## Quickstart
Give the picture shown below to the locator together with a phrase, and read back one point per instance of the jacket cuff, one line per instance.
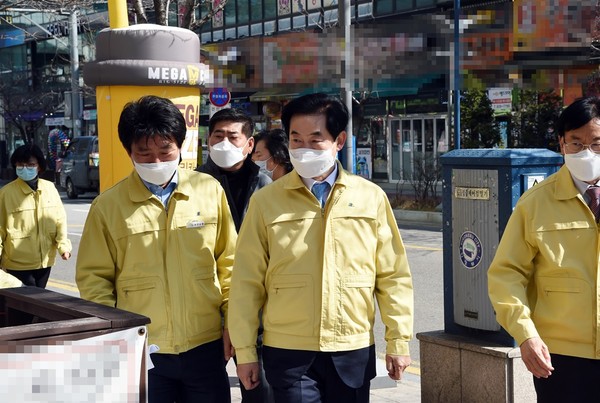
(526, 333)
(246, 355)
(397, 347)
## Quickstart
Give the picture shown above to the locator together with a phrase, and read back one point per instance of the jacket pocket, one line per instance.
(21, 249)
(563, 310)
(290, 306)
(145, 296)
(358, 304)
(203, 301)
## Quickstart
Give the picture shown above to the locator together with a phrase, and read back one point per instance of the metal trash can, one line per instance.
(480, 190)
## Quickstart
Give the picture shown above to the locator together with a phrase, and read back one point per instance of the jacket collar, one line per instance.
(138, 192)
(565, 188)
(25, 188)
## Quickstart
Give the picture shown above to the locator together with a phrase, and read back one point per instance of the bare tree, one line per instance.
(186, 13)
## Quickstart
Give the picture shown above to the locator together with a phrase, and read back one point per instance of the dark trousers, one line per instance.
(198, 375)
(298, 376)
(34, 278)
(574, 379)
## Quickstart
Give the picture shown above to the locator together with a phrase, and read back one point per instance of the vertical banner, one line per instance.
(364, 164)
(217, 20)
(284, 7)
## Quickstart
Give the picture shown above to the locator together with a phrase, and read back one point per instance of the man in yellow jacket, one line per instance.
(544, 279)
(160, 243)
(315, 265)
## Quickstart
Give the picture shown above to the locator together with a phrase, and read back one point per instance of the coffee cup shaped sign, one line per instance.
(219, 97)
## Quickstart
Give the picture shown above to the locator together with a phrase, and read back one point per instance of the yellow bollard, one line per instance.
(117, 13)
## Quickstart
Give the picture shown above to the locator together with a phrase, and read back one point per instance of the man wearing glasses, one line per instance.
(544, 281)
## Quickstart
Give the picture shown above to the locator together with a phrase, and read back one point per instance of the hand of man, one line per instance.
(227, 346)
(536, 357)
(66, 256)
(248, 374)
(396, 364)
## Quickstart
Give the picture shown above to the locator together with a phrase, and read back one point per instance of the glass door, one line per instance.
(396, 131)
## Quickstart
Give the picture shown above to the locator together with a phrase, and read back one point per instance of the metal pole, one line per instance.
(75, 104)
(345, 20)
(457, 82)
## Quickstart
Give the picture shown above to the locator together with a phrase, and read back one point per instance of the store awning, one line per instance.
(272, 95)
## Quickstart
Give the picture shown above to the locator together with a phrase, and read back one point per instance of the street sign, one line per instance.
(219, 97)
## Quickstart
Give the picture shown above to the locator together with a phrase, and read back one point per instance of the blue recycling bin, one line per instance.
(480, 190)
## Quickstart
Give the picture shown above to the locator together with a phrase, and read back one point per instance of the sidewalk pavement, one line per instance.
(383, 389)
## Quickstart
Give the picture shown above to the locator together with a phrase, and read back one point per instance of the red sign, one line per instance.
(219, 97)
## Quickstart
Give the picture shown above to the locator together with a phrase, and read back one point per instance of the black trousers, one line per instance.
(298, 376)
(198, 375)
(574, 379)
(34, 278)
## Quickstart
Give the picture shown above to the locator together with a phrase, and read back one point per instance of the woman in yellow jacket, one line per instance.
(33, 223)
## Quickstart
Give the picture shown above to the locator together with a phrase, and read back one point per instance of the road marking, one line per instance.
(408, 246)
(63, 285)
(415, 370)
(73, 233)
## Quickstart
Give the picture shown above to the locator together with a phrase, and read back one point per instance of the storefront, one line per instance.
(418, 139)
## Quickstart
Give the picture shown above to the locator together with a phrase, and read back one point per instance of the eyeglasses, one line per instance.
(28, 165)
(575, 147)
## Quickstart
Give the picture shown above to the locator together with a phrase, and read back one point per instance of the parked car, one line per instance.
(79, 166)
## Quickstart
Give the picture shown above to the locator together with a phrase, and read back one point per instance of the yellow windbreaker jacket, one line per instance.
(317, 272)
(33, 225)
(173, 265)
(543, 280)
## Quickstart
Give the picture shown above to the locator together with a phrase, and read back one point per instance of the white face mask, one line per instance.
(311, 163)
(157, 173)
(226, 155)
(584, 165)
(263, 167)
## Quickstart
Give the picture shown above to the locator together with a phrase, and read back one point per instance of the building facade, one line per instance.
(400, 56)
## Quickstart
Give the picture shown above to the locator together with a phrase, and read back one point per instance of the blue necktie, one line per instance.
(320, 191)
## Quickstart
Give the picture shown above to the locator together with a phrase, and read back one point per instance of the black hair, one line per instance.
(335, 112)
(232, 115)
(276, 141)
(24, 153)
(149, 117)
(578, 114)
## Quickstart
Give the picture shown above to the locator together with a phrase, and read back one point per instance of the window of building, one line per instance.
(270, 7)
(230, 13)
(256, 10)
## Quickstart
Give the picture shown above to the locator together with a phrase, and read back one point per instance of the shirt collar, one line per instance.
(158, 190)
(309, 182)
(581, 185)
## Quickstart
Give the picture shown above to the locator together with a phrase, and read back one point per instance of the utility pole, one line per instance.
(345, 21)
(456, 74)
(75, 94)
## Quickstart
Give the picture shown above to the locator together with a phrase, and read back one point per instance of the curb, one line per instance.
(433, 217)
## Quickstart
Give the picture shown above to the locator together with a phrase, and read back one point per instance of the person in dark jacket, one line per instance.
(230, 143)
